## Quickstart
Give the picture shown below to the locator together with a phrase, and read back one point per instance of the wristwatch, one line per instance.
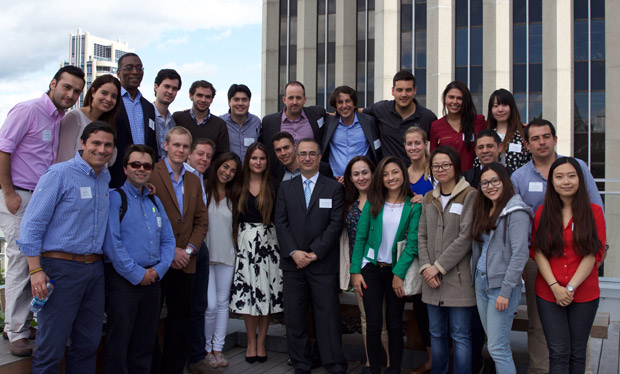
(570, 288)
(189, 251)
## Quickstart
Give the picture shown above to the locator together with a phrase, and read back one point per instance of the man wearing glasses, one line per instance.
(139, 247)
(136, 120)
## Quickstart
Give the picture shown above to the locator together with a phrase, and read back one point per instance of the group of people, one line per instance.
(129, 207)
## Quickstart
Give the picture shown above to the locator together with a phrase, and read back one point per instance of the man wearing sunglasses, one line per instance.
(139, 247)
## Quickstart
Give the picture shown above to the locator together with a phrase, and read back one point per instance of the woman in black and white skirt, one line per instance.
(257, 283)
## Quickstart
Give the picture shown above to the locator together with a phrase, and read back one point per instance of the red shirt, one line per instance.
(565, 266)
(442, 133)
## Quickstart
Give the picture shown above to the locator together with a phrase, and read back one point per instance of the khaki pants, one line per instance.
(17, 289)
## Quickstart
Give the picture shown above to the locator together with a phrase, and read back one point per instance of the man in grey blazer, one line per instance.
(309, 215)
(349, 133)
(295, 118)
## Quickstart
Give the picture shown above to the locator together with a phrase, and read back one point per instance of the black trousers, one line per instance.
(379, 287)
(300, 288)
(567, 330)
(133, 314)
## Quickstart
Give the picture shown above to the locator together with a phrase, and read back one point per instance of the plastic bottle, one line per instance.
(37, 304)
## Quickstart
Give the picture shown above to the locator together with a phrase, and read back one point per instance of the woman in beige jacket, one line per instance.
(444, 243)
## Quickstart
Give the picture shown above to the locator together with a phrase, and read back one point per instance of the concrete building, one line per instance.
(95, 55)
(556, 56)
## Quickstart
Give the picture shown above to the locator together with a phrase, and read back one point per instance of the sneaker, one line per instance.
(222, 361)
(200, 367)
(211, 360)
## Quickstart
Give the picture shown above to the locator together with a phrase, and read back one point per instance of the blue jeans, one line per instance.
(497, 324)
(446, 323)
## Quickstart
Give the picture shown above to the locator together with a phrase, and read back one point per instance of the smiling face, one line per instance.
(443, 169)
(166, 92)
(98, 149)
(294, 100)
(105, 98)
(226, 172)
(361, 176)
(65, 92)
(501, 112)
(404, 93)
(344, 106)
(201, 157)
(138, 177)
(491, 185)
(178, 148)
(487, 150)
(453, 101)
(285, 151)
(541, 142)
(308, 158)
(201, 99)
(239, 104)
(415, 146)
(565, 180)
(258, 161)
(392, 177)
(130, 73)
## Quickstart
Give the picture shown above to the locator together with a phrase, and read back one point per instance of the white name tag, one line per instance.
(47, 135)
(371, 253)
(151, 124)
(85, 193)
(325, 203)
(456, 208)
(248, 142)
(320, 122)
(377, 144)
(535, 187)
(513, 147)
(158, 221)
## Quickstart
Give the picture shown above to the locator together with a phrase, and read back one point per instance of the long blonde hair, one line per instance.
(427, 155)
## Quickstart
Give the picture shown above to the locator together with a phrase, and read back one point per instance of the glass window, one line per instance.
(461, 47)
(535, 42)
(581, 40)
(519, 45)
(535, 107)
(476, 12)
(598, 75)
(598, 39)
(460, 13)
(420, 81)
(519, 78)
(420, 15)
(535, 10)
(518, 11)
(476, 46)
(460, 74)
(535, 78)
(420, 49)
(581, 76)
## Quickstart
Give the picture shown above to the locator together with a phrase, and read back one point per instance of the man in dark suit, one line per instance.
(136, 120)
(309, 214)
(348, 134)
(296, 119)
(180, 193)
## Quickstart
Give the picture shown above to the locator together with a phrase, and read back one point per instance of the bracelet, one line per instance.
(551, 285)
(35, 271)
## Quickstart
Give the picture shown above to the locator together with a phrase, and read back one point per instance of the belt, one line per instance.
(383, 264)
(87, 259)
(21, 189)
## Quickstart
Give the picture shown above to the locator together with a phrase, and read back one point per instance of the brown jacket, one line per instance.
(444, 240)
(192, 227)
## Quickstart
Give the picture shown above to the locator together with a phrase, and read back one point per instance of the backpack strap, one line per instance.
(123, 208)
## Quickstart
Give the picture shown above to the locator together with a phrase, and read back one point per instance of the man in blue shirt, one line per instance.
(139, 248)
(62, 234)
(243, 126)
(530, 181)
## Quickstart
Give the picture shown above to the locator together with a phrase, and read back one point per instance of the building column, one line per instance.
(497, 42)
(439, 51)
(557, 38)
(346, 43)
(269, 56)
(612, 137)
(387, 41)
(306, 46)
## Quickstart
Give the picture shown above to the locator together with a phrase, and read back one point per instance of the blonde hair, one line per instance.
(179, 130)
(427, 155)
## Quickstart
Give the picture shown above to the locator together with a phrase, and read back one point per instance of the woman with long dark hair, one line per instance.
(503, 118)
(220, 206)
(257, 284)
(459, 125)
(101, 103)
(568, 241)
(445, 251)
(377, 273)
(499, 253)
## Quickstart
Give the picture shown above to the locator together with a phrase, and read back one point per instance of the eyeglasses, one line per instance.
(438, 167)
(307, 154)
(136, 165)
(493, 182)
(129, 68)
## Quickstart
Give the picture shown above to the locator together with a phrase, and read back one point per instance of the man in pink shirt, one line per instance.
(28, 145)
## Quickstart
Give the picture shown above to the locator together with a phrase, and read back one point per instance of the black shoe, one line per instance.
(261, 359)
(251, 360)
(289, 362)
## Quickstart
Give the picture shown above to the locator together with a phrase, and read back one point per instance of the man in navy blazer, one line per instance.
(348, 134)
(295, 118)
(136, 120)
(309, 218)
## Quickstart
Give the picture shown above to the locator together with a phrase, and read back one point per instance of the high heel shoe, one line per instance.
(261, 359)
(251, 360)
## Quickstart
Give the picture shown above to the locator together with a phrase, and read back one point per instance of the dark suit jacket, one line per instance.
(192, 227)
(278, 174)
(312, 229)
(272, 122)
(368, 126)
(124, 139)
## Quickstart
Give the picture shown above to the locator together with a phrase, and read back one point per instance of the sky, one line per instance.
(218, 41)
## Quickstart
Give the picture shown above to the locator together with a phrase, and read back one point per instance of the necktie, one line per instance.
(307, 191)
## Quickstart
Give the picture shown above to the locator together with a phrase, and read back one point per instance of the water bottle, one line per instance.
(37, 304)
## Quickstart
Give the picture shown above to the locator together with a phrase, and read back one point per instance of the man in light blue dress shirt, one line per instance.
(243, 126)
(62, 234)
(167, 85)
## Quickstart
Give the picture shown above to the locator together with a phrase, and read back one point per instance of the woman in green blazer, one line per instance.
(377, 273)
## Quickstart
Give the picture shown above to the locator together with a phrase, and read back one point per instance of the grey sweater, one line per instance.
(508, 247)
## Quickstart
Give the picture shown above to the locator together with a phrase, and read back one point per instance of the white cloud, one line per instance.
(220, 36)
(164, 45)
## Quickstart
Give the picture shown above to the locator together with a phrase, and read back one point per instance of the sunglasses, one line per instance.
(136, 165)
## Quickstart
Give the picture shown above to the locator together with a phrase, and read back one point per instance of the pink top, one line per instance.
(299, 128)
(30, 135)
